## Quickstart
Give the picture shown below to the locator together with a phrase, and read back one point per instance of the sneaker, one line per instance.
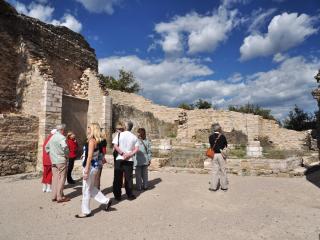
(213, 190)
(44, 187)
(48, 189)
(224, 189)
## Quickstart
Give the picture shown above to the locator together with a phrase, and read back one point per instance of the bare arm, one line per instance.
(126, 156)
(116, 147)
(91, 147)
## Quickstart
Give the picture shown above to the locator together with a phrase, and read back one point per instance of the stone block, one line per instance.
(157, 163)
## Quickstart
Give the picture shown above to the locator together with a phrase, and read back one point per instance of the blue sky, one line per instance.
(229, 52)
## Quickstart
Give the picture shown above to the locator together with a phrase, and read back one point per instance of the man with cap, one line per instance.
(58, 150)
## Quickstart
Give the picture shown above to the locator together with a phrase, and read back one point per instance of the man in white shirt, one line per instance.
(126, 144)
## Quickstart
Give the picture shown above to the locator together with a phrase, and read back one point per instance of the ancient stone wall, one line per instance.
(155, 128)
(100, 104)
(32, 52)
(8, 72)
(192, 123)
(18, 143)
(281, 137)
(38, 64)
(49, 114)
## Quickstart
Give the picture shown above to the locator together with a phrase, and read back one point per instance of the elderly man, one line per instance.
(126, 144)
(58, 150)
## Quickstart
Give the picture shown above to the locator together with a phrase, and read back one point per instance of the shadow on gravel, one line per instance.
(77, 192)
(23, 176)
(313, 175)
(78, 182)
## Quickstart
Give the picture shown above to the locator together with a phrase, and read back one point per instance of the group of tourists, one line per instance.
(129, 151)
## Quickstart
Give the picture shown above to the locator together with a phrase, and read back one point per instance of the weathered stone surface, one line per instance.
(155, 128)
(193, 124)
(32, 52)
(18, 143)
(157, 163)
(39, 63)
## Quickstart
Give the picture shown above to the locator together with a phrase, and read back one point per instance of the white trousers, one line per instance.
(90, 191)
(219, 172)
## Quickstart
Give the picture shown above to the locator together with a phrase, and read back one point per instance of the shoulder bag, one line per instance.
(210, 151)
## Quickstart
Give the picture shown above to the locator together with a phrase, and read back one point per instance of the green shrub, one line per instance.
(239, 151)
(172, 135)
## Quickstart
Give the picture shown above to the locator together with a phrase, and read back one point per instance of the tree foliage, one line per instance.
(253, 109)
(186, 106)
(299, 120)
(202, 104)
(126, 82)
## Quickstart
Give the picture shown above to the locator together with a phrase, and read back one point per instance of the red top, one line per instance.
(45, 156)
(73, 148)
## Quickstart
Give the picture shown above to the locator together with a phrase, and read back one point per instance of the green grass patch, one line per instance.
(239, 151)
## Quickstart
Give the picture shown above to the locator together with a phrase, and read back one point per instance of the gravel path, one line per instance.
(178, 207)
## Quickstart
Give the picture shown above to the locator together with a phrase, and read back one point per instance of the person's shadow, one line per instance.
(313, 175)
(78, 191)
(152, 184)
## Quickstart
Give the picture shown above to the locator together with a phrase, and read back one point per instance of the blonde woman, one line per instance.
(90, 168)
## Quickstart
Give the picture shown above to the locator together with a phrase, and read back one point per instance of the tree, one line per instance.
(202, 104)
(299, 120)
(186, 106)
(254, 109)
(126, 82)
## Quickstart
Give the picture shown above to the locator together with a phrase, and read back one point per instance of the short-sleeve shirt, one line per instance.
(127, 142)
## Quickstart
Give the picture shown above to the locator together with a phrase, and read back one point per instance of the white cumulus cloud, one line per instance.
(284, 32)
(36, 10)
(44, 12)
(68, 21)
(186, 80)
(100, 6)
(259, 18)
(201, 33)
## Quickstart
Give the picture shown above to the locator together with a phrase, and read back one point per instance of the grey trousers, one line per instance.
(141, 177)
(219, 172)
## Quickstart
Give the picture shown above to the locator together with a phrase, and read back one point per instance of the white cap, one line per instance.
(53, 131)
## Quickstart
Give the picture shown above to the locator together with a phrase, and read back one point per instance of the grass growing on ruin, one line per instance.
(275, 153)
(172, 135)
(239, 151)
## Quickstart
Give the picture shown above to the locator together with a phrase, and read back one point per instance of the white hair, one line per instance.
(53, 131)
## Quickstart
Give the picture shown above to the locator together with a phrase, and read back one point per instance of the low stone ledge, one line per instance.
(263, 167)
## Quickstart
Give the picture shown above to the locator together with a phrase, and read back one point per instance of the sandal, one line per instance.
(83, 216)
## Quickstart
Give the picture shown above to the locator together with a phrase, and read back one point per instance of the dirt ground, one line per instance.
(179, 206)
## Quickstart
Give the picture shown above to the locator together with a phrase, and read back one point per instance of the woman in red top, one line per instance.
(47, 165)
(73, 149)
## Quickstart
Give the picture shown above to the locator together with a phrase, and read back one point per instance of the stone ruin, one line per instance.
(49, 75)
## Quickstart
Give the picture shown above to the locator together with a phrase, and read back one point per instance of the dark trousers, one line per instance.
(70, 168)
(122, 167)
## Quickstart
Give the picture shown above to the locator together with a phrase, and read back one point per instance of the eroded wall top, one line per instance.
(29, 46)
(55, 41)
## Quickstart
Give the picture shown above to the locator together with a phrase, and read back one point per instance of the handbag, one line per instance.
(210, 151)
